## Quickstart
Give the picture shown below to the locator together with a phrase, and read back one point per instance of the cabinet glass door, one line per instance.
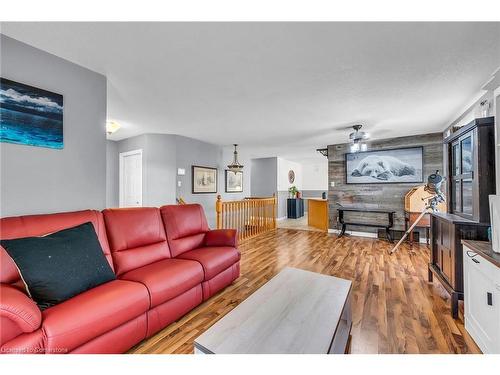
(466, 155)
(467, 197)
(462, 174)
(456, 194)
(455, 159)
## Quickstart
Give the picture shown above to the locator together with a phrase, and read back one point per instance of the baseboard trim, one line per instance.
(365, 234)
(354, 233)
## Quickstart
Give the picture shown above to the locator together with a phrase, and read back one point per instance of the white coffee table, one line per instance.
(297, 311)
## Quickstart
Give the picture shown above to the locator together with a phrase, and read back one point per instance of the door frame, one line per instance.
(122, 155)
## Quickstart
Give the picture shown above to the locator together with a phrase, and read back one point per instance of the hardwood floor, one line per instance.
(300, 223)
(395, 309)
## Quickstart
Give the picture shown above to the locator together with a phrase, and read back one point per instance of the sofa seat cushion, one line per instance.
(167, 278)
(92, 313)
(213, 259)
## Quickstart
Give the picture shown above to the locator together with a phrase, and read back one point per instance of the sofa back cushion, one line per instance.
(136, 237)
(40, 225)
(185, 226)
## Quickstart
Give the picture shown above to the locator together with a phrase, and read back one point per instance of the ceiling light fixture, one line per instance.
(235, 166)
(112, 127)
(357, 139)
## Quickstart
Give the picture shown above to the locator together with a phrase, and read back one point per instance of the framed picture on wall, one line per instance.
(30, 116)
(234, 182)
(204, 180)
(399, 165)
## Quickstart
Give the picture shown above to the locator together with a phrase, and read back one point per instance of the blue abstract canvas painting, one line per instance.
(30, 116)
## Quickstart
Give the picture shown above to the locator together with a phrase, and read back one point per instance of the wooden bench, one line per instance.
(387, 226)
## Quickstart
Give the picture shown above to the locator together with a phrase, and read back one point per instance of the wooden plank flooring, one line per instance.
(395, 309)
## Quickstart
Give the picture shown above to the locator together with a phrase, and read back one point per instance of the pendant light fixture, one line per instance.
(235, 166)
(357, 139)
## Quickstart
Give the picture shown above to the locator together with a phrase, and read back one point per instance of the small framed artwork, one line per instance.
(30, 115)
(234, 182)
(204, 180)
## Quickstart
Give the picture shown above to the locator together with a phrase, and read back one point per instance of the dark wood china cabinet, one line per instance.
(469, 168)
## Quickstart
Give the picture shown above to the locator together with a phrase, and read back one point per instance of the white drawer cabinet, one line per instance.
(482, 300)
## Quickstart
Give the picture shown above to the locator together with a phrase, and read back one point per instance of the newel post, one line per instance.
(218, 209)
(275, 203)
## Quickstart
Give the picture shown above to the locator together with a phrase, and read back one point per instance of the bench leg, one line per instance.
(391, 223)
(342, 231)
(388, 234)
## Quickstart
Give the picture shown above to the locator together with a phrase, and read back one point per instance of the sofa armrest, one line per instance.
(19, 309)
(222, 237)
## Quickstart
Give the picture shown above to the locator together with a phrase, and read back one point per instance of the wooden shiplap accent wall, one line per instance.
(386, 196)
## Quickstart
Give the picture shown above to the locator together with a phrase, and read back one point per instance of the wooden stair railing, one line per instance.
(250, 216)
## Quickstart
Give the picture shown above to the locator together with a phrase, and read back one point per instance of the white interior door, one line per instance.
(131, 178)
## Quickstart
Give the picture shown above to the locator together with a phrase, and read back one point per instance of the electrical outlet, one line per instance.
(332, 183)
(179, 183)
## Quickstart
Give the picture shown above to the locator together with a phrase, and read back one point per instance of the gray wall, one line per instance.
(162, 155)
(193, 152)
(42, 180)
(264, 177)
(265, 182)
(386, 196)
(112, 174)
(282, 204)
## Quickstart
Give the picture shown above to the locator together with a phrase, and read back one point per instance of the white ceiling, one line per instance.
(278, 89)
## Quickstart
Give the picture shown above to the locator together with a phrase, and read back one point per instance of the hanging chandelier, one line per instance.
(357, 139)
(235, 166)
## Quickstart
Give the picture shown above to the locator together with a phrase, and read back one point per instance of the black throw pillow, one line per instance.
(60, 265)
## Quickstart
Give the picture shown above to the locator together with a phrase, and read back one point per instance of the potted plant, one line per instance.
(292, 190)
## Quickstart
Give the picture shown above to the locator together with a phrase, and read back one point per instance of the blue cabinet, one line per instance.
(295, 208)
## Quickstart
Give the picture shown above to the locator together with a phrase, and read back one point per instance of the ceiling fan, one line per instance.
(357, 139)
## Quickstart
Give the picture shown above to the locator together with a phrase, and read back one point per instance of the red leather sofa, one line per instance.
(167, 261)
